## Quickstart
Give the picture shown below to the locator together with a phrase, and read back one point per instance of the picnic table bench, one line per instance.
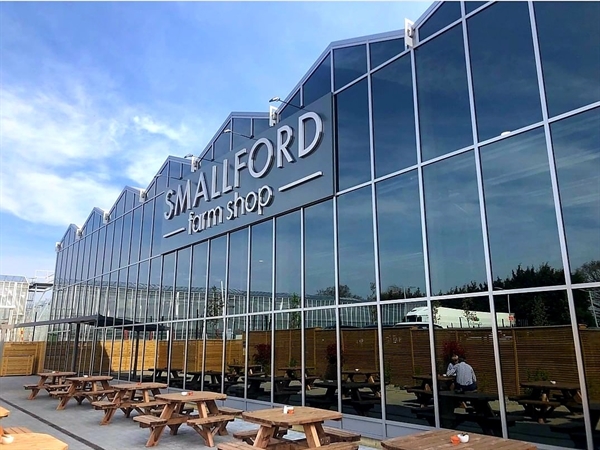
(50, 382)
(545, 396)
(441, 439)
(92, 388)
(131, 397)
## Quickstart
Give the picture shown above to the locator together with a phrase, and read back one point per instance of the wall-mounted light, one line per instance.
(58, 246)
(79, 233)
(230, 131)
(195, 162)
(278, 99)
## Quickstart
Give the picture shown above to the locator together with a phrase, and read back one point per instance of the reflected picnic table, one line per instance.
(239, 369)
(352, 393)
(479, 411)
(367, 374)
(311, 419)
(540, 402)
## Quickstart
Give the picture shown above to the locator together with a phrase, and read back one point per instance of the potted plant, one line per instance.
(263, 356)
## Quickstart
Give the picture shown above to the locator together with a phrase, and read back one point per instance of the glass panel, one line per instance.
(146, 230)
(349, 63)
(157, 225)
(108, 248)
(194, 355)
(260, 125)
(141, 306)
(447, 13)
(353, 142)
(261, 267)
(222, 144)
(393, 117)
(382, 51)
(132, 282)
(153, 290)
(136, 228)
(182, 282)
(258, 373)
(319, 83)
(116, 248)
(216, 277)
(288, 269)
(355, 246)
(119, 206)
(126, 239)
(242, 126)
(521, 219)
(445, 117)
(505, 85)
(454, 226)
(287, 111)
(587, 308)
(198, 291)
(320, 353)
(238, 272)
(235, 351)
(287, 382)
(168, 277)
(319, 270)
(576, 143)
(407, 365)
(465, 354)
(401, 265)
(540, 332)
(359, 352)
(569, 85)
(472, 6)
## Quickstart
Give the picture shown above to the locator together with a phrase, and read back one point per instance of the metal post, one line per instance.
(33, 329)
(137, 349)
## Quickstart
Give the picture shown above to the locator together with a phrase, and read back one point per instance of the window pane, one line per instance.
(287, 384)
(136, 228)
(168, 279)
(445, 117)
(382, 51)
(541, 330)
(393, 117)
(261, 267)
(182, 282)
(454, 235)
(505, 84)
(447, 13)
(222, 144)
(352, 124)
(287, 111)
(348, 64)
(569, 85)
(355, 246)
(260, 125)
(319, 83)
(238, 272)
(472, 6)
(401, 266)
(242, 126)
(157, 233)
(576, 143)
(259, 356)
(216, 276)
(198, 294)
(319, 257)
(288, 252)
(146, 230)
(521, 218)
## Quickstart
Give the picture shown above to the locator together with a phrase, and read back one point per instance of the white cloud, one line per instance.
(151, 126)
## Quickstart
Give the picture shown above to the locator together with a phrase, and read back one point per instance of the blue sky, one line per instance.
(95, 96)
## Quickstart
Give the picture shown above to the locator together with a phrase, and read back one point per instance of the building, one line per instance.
(460, 170)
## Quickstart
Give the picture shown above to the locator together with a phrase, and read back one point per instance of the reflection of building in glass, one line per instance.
(460, 173)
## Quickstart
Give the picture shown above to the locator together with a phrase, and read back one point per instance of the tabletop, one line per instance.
(4, 412)
(294, 368)
(90, 378)
(440, 439)
(56, 374)
(549, 385)
(479, 396)
(36, 441)
(302, 415)
(359, 372)
(136, 386)
(430, 377)
(195, 396)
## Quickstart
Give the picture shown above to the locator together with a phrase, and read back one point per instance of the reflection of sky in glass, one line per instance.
(453, 223)
(444, 112)
(238, 260)
(319, 83)
(318, 242)
(447, 13)
(393, 117)
(261, 268)
(349, 63)
(571, 66)
(287, 251)
(354, 159)
(503, 68)
(400, 239)
(216, 267)
(519, 204)
(166, 291)
(576, 143)
(380, 52)
(355, 242)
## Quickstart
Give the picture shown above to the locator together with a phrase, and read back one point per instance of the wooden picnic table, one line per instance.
(271, 420)
(478, 411)
(291, 371)
(3, 413)
(540, 402)
(36, 441)
(92, 388)
(239, 369)
(140, 397)
(352, 393)
(49, 381)
(440, 439)
(208, 422)
(367, 374)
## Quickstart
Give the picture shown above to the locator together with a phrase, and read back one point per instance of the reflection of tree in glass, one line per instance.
(470, 315)
(538, 313)
(344, 292)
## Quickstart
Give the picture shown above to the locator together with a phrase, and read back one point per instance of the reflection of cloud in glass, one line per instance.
(288, 250)
(576, 142)
(520, 208)
(348, 64)
(318, 242)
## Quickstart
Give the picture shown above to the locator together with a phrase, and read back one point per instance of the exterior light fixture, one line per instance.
(195, 161)
(278, 99)
(505, 133)
(230, 131)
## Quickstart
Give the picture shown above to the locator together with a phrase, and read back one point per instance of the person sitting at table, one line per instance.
(466, 380)
(453, 363)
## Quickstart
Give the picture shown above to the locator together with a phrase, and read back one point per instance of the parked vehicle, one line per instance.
(456, 318)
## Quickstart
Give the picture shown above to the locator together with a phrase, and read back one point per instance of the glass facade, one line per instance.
(462, 219)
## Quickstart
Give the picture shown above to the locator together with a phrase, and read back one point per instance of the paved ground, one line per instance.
(78, 425)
